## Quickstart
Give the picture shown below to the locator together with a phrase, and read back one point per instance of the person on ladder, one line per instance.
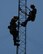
(13, 30)
(31, 15)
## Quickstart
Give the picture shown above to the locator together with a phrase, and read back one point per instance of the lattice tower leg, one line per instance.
(22, 30)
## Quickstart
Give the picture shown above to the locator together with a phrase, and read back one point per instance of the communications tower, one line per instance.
(19, 31)
(22, 30)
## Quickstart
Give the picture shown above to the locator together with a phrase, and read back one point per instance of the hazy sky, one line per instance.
(8, 9)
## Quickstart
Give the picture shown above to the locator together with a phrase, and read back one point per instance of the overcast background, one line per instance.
(8, 9)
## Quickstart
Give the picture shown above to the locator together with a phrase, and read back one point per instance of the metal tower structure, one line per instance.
(19, 35)
(22, 30)
(18, 31)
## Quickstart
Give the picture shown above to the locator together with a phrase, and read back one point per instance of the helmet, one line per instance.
(15, 18)
(32, 6)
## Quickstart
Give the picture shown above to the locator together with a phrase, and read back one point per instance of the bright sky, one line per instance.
(8, 8)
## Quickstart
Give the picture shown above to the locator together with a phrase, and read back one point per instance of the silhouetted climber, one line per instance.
(13, 30)
(31, 15)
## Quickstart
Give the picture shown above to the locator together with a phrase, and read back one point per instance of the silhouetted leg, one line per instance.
(15, 42)
(15, 38)
(25, 22)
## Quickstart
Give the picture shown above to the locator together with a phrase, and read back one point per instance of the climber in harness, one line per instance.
(31, 15)
(13, 30)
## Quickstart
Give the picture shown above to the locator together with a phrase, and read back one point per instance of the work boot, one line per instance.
(23, 24)
(16, 44)
(17, 40)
